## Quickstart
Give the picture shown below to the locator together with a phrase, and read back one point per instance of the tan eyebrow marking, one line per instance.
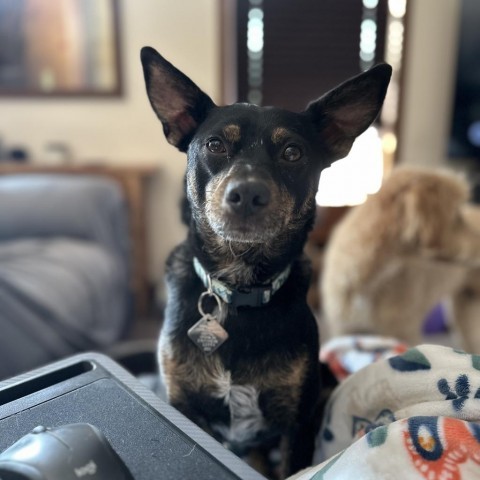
(279, 135)
(232, 133)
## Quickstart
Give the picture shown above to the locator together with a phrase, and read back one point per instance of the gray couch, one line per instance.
(64, 268)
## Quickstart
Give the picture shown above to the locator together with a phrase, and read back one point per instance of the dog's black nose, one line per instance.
(247, 197)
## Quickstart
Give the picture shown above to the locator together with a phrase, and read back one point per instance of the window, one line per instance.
(291, 51)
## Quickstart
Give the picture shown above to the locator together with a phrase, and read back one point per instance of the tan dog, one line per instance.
(392, 259)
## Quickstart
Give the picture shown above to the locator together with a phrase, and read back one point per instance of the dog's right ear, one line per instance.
(179, 104)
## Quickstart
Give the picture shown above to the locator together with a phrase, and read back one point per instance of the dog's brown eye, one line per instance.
(215, 145)
(292, 153)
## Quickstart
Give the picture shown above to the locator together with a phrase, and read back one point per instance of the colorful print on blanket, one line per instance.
(349, 353)
(443, 448)
(424, 448)
(413, 416)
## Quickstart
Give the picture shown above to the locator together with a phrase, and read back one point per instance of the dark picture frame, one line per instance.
(64, 48)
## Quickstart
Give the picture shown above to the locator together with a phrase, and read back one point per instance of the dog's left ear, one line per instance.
(349, 109)
(179, 104)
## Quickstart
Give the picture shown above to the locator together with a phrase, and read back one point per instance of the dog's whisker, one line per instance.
(240, 254)
(231, 249)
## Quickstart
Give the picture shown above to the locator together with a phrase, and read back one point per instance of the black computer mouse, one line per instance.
(69, 452)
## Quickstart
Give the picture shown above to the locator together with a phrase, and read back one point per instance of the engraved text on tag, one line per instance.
(207, 334)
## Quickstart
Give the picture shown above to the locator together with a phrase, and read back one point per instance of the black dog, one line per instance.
(239, 346)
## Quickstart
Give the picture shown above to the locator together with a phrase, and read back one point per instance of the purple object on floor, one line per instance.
(435, 321)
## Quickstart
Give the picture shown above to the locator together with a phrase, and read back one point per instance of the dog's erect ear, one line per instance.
(348, 110)
(179, 104)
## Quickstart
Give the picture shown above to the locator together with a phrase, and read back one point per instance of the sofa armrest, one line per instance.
(83, 207)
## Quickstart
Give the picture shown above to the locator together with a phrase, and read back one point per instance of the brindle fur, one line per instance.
(263, 382)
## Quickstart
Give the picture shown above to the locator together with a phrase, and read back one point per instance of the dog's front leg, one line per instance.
(182, 401)
(297, 449)
(298, 444)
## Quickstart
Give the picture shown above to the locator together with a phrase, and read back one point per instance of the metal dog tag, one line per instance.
(207, 334)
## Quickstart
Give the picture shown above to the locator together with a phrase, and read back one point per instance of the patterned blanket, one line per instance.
(410, 416)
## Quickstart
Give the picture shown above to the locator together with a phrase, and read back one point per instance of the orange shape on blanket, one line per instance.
(459, 446)
(427, 442)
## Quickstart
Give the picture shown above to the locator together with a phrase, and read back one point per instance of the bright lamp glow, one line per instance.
(350, 180)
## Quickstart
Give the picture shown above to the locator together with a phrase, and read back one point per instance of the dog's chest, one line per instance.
(238, 403)
(237, 418)
(246, 420)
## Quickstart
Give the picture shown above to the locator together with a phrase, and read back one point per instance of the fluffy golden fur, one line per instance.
(390, 260)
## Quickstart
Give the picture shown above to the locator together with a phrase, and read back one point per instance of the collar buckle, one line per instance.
(251, 297)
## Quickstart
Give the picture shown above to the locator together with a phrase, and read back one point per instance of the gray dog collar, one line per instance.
(255, 296)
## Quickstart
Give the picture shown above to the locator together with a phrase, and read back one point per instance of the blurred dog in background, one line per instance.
(392, 259)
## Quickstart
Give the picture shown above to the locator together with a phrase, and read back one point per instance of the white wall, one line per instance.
(126, 130)
(430, 69)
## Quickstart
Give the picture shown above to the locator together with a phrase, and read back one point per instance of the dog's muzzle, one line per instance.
(244, 205)
(246, 197)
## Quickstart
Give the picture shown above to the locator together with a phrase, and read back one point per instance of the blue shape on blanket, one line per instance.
(411, 361)
(459, 395)
(475, 429)
(421, 428)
